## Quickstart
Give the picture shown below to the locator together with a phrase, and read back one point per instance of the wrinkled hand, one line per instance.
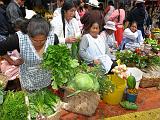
(18, 62)
(96, 61)
(71, 40)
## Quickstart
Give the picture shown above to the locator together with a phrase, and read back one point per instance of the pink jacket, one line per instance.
(114, 17)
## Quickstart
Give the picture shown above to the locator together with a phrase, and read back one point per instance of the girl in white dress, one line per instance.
(93, 49)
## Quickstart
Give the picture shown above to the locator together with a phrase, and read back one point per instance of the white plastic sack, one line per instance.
(137, 73)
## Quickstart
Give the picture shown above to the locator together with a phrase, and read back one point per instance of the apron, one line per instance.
(32, 76)
(69, 32)
(97, 50)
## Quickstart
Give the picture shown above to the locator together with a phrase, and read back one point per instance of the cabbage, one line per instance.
(85, 82)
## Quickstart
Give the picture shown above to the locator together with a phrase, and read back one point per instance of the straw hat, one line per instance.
(110, 25)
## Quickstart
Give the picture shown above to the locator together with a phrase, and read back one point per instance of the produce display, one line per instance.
(138, 58)
(156, 30)
(120, 70)
(42, 103)
(129, 105)
(80, 78)
(66, 71)
(14, 106)
(57, 59)
(156, 48)
(151, 41)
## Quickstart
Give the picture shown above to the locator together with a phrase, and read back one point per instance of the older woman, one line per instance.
(65, 25)
(31, 45)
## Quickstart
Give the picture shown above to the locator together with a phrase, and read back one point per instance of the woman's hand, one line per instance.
(96, 61)
(15, 62)
(70, 40)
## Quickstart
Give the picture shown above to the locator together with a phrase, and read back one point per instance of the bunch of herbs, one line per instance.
(58, 60)
(14, 107)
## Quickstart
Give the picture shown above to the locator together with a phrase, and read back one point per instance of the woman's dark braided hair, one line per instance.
(68, 4)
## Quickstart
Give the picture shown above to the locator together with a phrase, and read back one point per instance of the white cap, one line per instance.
(110, 25)
(140, 1)
(93, 3)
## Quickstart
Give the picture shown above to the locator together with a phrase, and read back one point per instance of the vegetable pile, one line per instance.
(151, 41)
(42, 103)
(138, 59)
(120, 70)
(14, 107)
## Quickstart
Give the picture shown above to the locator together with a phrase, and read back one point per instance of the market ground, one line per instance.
(148, 99)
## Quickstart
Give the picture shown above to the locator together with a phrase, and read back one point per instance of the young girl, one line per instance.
(93, 49)
(132, 37)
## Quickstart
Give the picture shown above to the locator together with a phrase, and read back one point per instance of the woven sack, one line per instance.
(151, 77)
(84, 102)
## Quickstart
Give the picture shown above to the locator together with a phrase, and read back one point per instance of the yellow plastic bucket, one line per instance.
(115, 97)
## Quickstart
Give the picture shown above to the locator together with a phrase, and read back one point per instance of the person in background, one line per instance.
(65, 25)
(81, 10)
(148, 23)
(15, 10)
(138, 14)
(11, 71)
(93, 49)
(118, 17)
(58, 9)
(94, 13)
(132, 37)
(108, 36)
(32, 46)
(76, 4)
(101, 7)
(4, 24)
(108, 10)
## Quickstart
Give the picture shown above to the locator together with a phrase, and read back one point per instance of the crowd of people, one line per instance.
(102, 33)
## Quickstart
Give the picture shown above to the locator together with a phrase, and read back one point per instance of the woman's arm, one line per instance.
(84, 44)
(57, 27)
(140, 38)
(16, 62)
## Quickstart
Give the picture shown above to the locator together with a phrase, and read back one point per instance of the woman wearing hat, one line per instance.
(108, 35)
